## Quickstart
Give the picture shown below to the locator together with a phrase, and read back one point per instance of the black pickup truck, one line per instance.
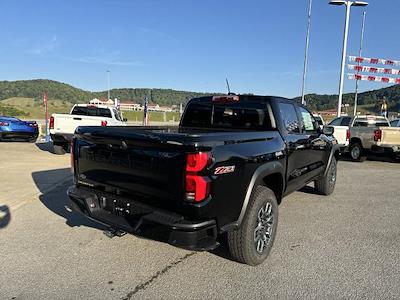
(225, 169)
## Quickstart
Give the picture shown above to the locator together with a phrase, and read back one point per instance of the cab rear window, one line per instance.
(91, 111)
(228, 115)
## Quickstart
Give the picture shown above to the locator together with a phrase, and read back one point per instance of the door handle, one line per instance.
(78, 119)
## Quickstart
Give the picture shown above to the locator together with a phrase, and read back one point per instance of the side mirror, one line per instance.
(328, 130)
(125, 119)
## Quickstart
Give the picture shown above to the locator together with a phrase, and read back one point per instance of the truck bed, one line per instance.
(148, 163)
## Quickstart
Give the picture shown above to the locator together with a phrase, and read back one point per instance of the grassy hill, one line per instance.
(56, 90)
(24, 98)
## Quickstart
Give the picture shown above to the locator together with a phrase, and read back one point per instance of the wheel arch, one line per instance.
(271, 175)
(355, 140)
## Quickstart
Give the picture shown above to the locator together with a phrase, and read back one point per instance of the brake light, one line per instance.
(72, 156)
(226, 99)
(347, 134)
(51, 123)
(3, 124)
(197, 187)
(377, 135)
(197, 161)
(103, 123)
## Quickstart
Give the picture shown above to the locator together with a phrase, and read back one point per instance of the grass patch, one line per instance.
(137, 116)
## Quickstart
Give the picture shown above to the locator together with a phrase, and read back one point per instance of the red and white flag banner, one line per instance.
(369, 69)
(373, 78)
(374, 61)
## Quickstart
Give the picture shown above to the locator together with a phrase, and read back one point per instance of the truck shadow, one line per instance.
(5, 216)
(370, 157)
(45, 146)
(56, 200)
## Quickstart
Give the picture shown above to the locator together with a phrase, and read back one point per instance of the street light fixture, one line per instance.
(344, 50)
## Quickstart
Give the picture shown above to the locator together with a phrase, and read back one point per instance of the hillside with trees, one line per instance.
(63, 92)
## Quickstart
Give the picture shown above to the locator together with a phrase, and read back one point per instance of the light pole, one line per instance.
(359, 55)
(108, 83)
(303, 101)
(344, 50)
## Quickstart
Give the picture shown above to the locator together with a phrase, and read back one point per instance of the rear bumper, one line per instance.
(129, 215)
(386, 149)
(18, 135)
(61, 138)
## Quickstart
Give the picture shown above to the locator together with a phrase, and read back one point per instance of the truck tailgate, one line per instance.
(64, 123)
(137, 165)
(390, 135)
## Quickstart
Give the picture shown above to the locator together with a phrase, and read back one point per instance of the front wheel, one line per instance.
(253, 240)
(326, 185)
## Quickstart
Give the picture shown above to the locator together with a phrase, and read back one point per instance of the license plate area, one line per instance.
(122, 206)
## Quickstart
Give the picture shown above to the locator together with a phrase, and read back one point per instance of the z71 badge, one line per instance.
(224, 170)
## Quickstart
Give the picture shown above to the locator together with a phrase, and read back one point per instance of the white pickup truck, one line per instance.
(356, 134)
(387, 141)
(62, 126)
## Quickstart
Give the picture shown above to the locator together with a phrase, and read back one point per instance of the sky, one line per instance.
(189, 44)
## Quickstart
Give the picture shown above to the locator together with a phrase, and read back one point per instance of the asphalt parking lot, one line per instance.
(338, 247)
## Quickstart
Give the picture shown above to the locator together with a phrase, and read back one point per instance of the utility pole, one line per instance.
(359, 55)
(108, 84)
(303, 101)
(348, 5)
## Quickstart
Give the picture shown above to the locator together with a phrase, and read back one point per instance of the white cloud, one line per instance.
(45, 47)
(112, 58)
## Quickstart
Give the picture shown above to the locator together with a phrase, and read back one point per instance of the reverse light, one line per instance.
(51, 123)
(226, 99)
(197, 187)
(103, 123)
(3, 124)
(377, 135)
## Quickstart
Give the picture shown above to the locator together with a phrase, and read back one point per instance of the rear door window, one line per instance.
(289, 117)
(336, 122)
(345, 121)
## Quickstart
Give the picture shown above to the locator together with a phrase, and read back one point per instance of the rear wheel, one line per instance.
(326, 185)
(253, 240)
(59, 149)
(357, 153)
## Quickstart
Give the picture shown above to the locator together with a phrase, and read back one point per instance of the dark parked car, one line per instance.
(15, 129)
(225, 169)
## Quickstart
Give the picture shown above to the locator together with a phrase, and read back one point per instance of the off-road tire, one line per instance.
(326, 185)
(241, 241)
(355, 155)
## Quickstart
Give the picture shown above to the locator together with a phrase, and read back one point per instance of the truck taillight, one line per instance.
(72, 156)
(103, 123)
(197, 161)
(51, 123)
(377, 135)
(197, 187)
(347, 134)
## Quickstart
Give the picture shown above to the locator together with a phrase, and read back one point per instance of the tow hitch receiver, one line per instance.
(114, 232)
